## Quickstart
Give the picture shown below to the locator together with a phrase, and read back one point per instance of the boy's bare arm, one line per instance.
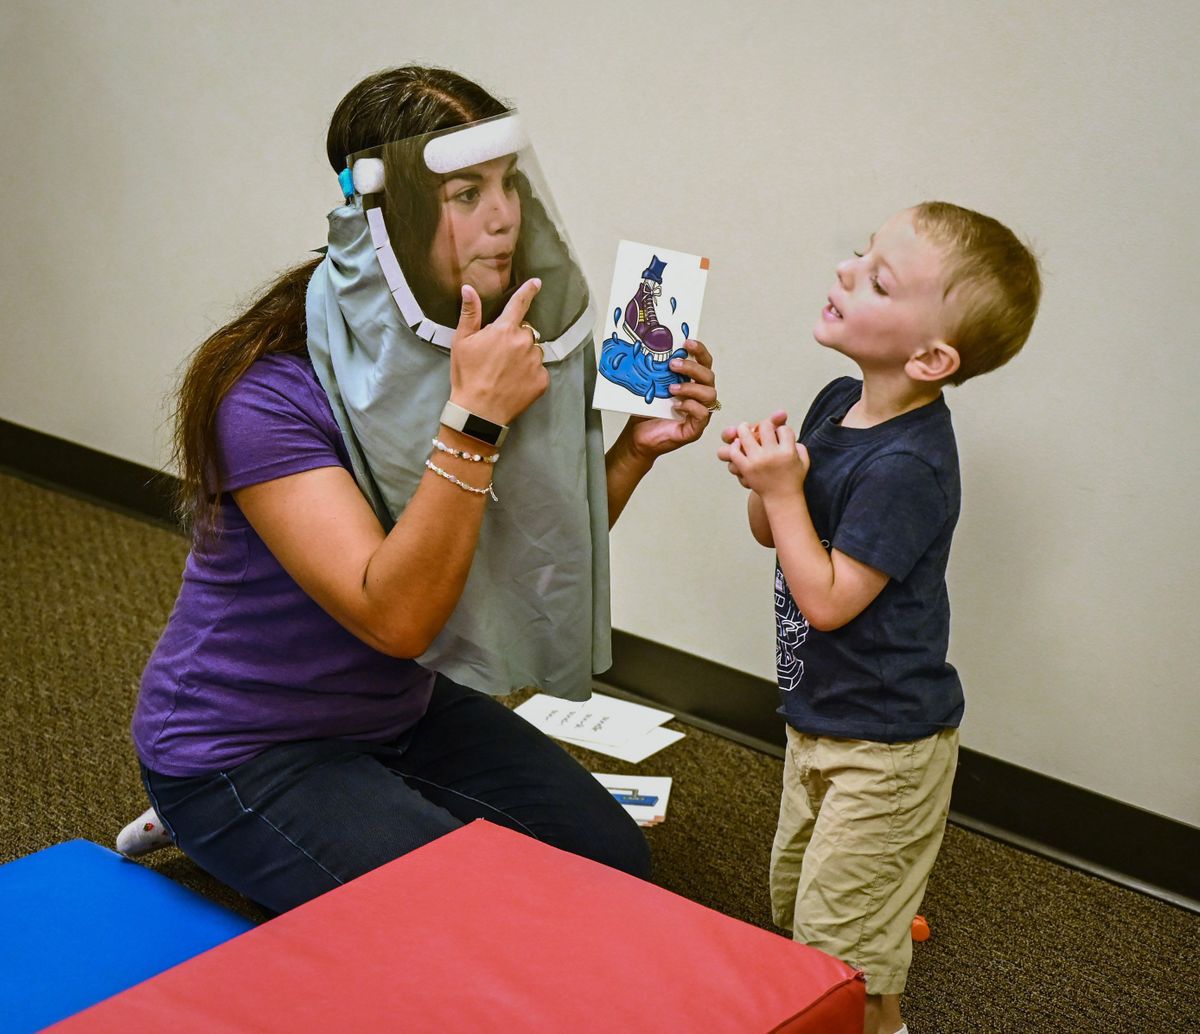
(829, 587)
(760, 527)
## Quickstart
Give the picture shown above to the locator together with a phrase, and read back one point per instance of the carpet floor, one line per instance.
(1019, 943)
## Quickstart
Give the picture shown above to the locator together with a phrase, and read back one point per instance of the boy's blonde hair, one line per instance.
(994, 278)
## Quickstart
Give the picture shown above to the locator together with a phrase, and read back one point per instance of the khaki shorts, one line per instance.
(860, 825)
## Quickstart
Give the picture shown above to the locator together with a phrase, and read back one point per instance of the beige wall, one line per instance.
(163, 159)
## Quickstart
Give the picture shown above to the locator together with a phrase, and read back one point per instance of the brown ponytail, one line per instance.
(274, 322)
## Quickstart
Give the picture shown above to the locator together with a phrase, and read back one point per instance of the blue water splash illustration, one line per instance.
(686, 332)
(616, 317)
(627, 364)
(672, 304)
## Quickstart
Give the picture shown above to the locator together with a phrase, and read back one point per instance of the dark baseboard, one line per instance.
(1036, 812)
(79, 470)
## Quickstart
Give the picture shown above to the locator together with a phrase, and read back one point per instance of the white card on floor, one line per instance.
(643, 797)
(600, 720)
(634, 750)
(654, 306)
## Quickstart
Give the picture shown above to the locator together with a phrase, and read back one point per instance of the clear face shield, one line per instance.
(470, 205)
(422, 217)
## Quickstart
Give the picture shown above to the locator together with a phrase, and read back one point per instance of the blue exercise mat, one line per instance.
(79, 923)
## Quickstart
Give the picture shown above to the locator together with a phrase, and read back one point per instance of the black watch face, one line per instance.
(484, 430)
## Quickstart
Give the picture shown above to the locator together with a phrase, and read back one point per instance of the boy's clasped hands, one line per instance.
(765, 456)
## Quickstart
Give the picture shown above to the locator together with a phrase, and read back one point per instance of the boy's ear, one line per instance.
(936, 363)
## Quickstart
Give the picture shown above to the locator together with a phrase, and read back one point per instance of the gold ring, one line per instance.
(537, 338)
(715, 406)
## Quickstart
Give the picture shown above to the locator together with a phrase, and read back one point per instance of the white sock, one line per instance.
(144, 834)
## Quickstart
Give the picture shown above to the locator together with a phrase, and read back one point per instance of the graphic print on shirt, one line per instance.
(791, 629)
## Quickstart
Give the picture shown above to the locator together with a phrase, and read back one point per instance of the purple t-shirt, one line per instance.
(248, 659)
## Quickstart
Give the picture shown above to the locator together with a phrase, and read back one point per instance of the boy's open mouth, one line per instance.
(832, 309)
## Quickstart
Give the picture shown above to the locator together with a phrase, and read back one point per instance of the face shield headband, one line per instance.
(469, 205)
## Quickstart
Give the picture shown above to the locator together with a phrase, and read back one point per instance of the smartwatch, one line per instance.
(459, 419)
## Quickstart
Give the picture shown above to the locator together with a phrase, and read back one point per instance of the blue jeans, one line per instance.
(303, 818)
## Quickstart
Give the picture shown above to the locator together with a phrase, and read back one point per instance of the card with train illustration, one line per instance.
(654, 306)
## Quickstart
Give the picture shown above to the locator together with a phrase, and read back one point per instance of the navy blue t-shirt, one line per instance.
(888, 496)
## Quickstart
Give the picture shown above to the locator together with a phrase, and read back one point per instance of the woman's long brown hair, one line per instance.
(274, 322)
(387, 106)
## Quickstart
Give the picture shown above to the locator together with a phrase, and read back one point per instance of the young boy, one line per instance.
(860, 507)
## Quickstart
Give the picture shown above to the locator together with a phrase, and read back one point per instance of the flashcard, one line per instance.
(633, 750)
(653, 308)
(602, 721)
(643, 797)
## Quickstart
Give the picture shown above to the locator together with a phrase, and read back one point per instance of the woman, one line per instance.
(288, 737)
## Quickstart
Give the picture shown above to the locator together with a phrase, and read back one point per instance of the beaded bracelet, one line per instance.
(461, 484)
(474, 457)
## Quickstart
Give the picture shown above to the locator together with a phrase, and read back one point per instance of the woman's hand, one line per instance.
(645, 438)
(497, 371)
(695, 401)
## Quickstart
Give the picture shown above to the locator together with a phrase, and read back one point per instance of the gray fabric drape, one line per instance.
(535, 610)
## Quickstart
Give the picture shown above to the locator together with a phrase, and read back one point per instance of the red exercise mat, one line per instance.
(488, 930)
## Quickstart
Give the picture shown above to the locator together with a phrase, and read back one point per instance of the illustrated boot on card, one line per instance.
(641, 315)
